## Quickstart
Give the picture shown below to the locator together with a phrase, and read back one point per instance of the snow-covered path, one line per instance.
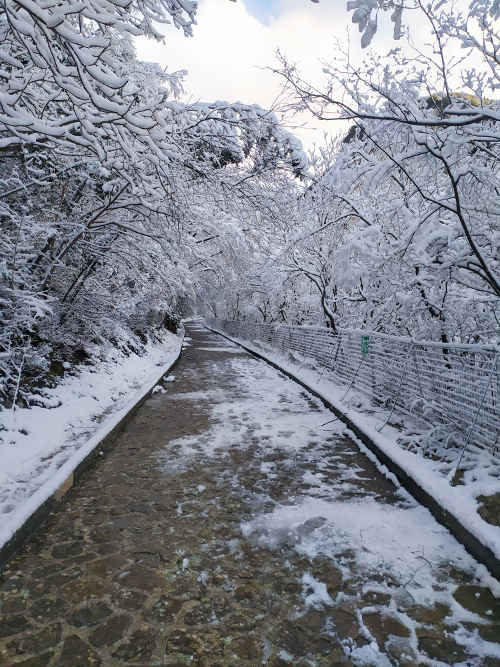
(236, 524)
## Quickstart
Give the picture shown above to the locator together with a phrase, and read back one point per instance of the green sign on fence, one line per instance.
(365, 342)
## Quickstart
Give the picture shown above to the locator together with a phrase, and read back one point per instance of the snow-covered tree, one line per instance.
(108, 181)
(417, 179)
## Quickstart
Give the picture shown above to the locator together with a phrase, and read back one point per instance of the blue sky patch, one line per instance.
(263, 10)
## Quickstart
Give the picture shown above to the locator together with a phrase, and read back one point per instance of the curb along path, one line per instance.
(234, 523)
(31, 510)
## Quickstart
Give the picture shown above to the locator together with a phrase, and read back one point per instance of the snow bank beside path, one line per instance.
(460, 501)
(40, 447)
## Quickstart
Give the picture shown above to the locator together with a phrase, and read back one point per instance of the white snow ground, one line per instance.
(401, 546)
(433, 476)
(40, 446)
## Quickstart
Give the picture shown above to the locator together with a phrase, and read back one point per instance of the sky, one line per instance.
(234, 42)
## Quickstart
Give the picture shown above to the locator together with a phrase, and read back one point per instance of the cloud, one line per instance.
(228, 55)
(223, 57)
(234, 42)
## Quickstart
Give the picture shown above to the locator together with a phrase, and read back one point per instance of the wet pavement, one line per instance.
(235, 523)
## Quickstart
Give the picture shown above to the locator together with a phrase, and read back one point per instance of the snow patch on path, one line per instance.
(401, 542)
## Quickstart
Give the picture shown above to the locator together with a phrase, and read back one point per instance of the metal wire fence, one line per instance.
(455, 388)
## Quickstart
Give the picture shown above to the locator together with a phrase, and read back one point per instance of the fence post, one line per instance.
(363, 359)
(479, 408)
(398, 389)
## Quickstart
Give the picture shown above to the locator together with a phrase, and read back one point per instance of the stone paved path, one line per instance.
(231, 525)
